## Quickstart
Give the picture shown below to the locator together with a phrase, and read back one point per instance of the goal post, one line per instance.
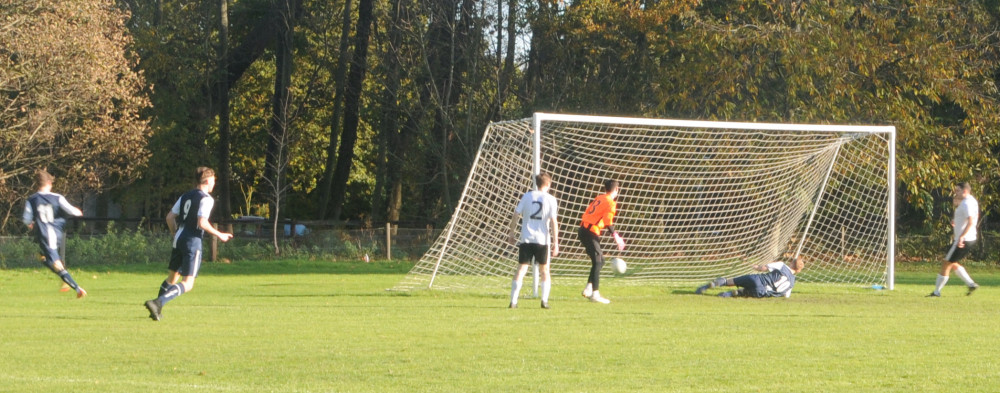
(699, 200)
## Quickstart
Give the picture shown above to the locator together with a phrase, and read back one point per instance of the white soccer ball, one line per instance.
(618, 265)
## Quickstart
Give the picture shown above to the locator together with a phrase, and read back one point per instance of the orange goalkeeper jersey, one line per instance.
(599, 214)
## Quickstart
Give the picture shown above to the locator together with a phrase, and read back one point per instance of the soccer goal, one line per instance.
(699, 200)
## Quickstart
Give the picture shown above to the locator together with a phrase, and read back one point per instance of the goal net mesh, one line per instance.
(698, 200)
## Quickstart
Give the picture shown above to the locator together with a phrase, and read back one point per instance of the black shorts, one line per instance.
(956, 254)
(528, 251)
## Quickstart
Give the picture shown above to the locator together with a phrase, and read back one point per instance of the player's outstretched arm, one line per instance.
(207, 227)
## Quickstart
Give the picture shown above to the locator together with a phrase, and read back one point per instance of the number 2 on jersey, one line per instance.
(536, 215)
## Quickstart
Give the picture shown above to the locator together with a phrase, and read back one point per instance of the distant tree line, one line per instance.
(373, 110)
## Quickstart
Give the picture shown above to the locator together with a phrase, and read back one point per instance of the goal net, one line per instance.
(698, 200)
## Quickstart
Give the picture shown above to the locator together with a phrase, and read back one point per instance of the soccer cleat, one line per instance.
(545, 305)
(512, 305)
(65, 288)
(934, 294)
(80, 293)
(702, 289)
(154, 307)
(728, 294)
(597, 298)
(972, 288)
(587, 292)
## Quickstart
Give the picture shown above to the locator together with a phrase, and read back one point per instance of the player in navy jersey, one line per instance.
(188, 221)
(538, 212)
(45, 215)
(777, 280)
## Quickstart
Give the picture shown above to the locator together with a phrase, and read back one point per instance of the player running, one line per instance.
(964, 224)
(188, 220)
(45, 215)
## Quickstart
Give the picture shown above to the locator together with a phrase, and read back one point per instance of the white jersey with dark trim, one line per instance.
(537, 209)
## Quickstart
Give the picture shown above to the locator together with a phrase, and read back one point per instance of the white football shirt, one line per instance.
(968, 208)
(536, 209)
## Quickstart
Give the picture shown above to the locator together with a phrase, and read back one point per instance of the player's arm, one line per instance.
(28, 217)
(971, 223)
(555, 236)
(172, 222)
(207, 227)
(762, 267)
(512, 230)
(69, 208)
(609, 216)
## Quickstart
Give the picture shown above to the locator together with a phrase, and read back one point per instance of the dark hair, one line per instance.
(610, 185)
(964, 185)
(203, 173)
(542, 180)
(43, 177)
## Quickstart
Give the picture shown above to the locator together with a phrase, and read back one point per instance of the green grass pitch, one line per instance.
(299, 326)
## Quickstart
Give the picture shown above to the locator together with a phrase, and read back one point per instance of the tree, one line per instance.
(71, 100)
(352, 103)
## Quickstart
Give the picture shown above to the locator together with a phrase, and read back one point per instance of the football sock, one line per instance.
(718, 282)
(171, 293)
(515, 289)
(939, 283)
(68, 279)
(546, 289)
(964, 275)
(163, 288)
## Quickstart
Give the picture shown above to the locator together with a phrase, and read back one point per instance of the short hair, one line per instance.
(964, 185)
(43, 177)
(610, 185)
(543, 180)
(203, 173)
(797, 265)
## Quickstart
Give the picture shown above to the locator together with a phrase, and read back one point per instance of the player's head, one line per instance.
(543, 180)
(43, 178)
(205, 177)
(963, 189)
(610, 185)
(797, 265)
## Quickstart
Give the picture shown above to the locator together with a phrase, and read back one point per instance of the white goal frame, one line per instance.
(426, 272)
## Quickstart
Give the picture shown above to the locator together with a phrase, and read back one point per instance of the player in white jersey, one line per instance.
(538, 212)
(45, 215)
(964, 238)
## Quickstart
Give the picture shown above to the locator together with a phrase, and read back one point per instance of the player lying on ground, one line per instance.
(777, 280)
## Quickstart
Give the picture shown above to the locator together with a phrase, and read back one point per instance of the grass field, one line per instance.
(300, 326)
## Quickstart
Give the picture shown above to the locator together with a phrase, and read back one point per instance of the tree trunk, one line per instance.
(352, 105)
(340, 74)
(223, 172)
(396, 139)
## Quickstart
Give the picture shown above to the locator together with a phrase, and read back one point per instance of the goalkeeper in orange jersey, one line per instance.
(600, 214)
